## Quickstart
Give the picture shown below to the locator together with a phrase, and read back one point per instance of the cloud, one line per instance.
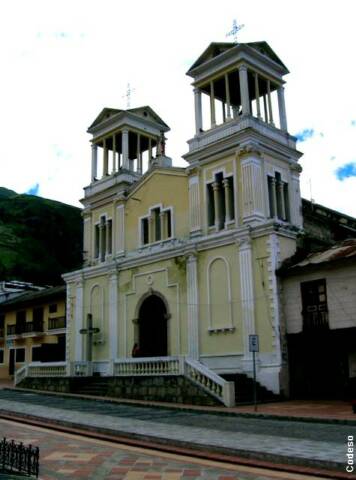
(34, 189)
(305, 134)
(346, 171)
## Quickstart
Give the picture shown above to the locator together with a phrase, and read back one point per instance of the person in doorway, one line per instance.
(135, 351)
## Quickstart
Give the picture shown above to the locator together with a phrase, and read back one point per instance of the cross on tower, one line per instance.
(90, 330)
(127, 95)
(235, 29)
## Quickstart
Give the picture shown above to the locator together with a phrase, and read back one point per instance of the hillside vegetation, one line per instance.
(39, 238)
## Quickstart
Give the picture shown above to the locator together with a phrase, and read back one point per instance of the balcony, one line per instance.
(315, 320)
(56, 323)
(28, 329)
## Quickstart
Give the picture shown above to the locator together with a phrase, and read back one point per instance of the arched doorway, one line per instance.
(152, 326)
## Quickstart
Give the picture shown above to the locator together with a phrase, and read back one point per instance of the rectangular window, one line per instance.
(211, 205)
(169, 223)
(20, 355)
(1, 355)
(38, 314)
(144, 231)
(109, 225)
(231, 197)
(36, 353)
(270, 196)
(96, 250)
(286, 201)
(52, 308)
(314, 305)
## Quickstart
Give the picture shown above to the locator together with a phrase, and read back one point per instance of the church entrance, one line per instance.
(152, 328)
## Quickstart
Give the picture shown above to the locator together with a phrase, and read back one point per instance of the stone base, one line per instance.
(174, 389)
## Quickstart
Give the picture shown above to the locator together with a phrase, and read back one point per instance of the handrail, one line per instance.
(210, 381)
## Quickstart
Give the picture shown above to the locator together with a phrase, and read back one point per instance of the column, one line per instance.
(164, 224)
(270, 112)
(218, 219)
(94, 162)
(265, 108)
(79, 322)
(101, 240)
(282, 109)
(193, 306)
(247, 294)
(105, 158)
(227, 191)
(257, 92)
(113, 315)
(280, 186)
(274, 198)
(151, 229)
(228, 102)
(113, 153)
(149, 151)
(198, 111)
(125, 149)
(139, 154)
(244, 93)
(212, 106)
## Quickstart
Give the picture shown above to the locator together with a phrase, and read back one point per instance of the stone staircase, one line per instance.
(96, 385)
(244, 390)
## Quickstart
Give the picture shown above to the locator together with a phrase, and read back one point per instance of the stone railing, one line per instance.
(55, 369)
(210, 382)
(149, 366)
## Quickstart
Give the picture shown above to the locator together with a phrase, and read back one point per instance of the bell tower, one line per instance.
(240, 108)
(124, 145)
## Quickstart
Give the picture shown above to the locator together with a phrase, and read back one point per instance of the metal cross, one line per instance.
(235, 29)
(127, 95)
(90, 330)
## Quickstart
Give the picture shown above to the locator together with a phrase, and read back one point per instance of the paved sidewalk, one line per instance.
(69, 456)
(313, 444)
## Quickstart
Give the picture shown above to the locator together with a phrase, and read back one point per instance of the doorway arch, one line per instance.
(152, 327)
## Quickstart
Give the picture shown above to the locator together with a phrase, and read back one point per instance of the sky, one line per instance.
(63, 61)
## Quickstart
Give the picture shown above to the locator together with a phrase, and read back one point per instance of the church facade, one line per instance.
(180, 262)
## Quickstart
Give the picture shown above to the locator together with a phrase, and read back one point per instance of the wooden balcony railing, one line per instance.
(28, 327)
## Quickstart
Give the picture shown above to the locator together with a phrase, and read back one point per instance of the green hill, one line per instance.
(39, 238)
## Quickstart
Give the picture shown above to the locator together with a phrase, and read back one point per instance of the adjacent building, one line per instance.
(32, 329)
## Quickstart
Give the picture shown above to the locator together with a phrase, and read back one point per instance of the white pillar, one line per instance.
(282, 109)
(193, 306)
(139, 154)
(113, 315)
(79, 322)
(257, 92)
(270, 110)
(212, 105)
(244, 93)
(217, 209)
(94, 162)
(228, 102)
(114, 153)
(198, 111)
(247, 294)
(228, 213)
(125, 149)
(105, 159)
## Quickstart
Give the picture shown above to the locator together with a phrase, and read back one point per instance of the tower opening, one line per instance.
(153, 332)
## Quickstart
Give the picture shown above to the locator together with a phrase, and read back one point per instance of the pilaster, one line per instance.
(113, 315)
(193, 305)
(79, 321)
